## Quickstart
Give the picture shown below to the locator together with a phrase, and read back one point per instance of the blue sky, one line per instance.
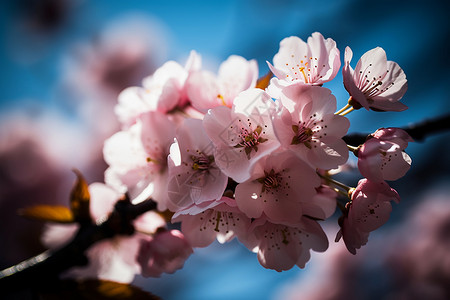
(416, 34)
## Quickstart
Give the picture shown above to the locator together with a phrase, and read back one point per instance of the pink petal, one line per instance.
(236, 74)
(219, 126)
(203, 89)
(330, 155)
(397, 166)
(248, 198)
(102, 201)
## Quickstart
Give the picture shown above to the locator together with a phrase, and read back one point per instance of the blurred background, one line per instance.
(63, 63)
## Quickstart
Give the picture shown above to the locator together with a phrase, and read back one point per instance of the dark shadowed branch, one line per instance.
(418, 131)
(44, 268)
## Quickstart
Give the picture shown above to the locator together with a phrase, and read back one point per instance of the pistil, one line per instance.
(250, 140)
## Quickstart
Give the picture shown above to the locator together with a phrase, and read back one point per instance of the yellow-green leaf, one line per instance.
(264, 81)
(51, 213)
(79, 199)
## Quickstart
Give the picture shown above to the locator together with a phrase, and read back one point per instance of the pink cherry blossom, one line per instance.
(280, 186)
(382, 157)
(166, 252)
(206, 90)
(368, 210)
(163, 91)
(376, 83)
(204, 223)
(314, 62)
(309, 128)
(323, 204)
(137, 158)
(112, 259)
(242, 134)
(193, 174)
(280, 247)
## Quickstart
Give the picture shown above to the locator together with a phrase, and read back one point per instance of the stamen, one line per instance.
(373, 89)
(149, 159)
(218, 221)
(220, 97)
(302, 70)
(283, 233)
(302, 135)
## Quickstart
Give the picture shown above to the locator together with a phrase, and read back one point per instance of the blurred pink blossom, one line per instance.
(166, 252)
(113, 259)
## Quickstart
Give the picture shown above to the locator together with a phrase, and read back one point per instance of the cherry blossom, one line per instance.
(232, 160)
(309, 128)
(376, 83)
(137, 158)
(112, 259)
(382, 157)
(163, 91)
(166, 252)
(242, 134)
(368, 210)
(204, 223)
(280, 246)
(323, 204)
(206, 90)
(281, 186)
(193, 174)
(313, 63)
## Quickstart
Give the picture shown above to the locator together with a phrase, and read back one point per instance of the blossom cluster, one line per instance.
(232, 156)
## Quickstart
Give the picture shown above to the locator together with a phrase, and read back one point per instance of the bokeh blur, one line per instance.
(63, 63)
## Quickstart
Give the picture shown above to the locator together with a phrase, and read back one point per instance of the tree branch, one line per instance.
(45, 267)
(418, 131)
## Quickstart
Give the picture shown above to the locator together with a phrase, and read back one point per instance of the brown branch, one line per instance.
(418, 131)
(44, 268)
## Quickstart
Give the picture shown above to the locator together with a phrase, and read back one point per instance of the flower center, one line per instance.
(306, 69)
(372, 89)
(271, 180)
(303, 135)
(250, 140)
(202, 162)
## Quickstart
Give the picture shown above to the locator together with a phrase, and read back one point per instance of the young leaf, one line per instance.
(264, 81)
(79, 199)
(51, 213)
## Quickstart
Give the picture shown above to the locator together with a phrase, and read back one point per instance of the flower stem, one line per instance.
(337, 183)
(353, 149)
(343, 109)
(340, 192)
(347, 111)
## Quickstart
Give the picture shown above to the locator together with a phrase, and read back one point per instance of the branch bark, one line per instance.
(42, 269)
(418, 131)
